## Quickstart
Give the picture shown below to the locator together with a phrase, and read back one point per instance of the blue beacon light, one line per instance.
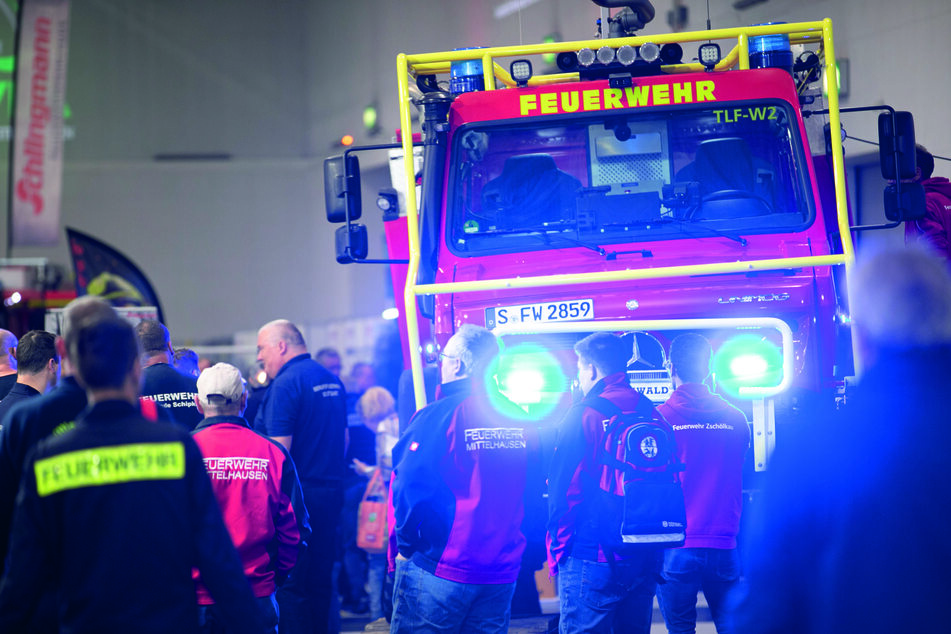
(466, 75)
(771, 51)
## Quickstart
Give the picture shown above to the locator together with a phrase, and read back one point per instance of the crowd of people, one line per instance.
(137, 496)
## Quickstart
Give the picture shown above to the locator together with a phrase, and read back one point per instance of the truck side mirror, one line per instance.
(351, 243)
(342, 188)
(896, 145)
(904, 203)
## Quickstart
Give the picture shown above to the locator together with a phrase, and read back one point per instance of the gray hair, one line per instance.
(475, 346)
(283, 330)
(901, 298)
(8, 340)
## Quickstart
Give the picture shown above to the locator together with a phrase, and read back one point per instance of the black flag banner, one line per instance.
(101, 270)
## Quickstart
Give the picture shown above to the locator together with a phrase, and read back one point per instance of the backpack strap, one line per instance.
(604, 407)
(643, 408)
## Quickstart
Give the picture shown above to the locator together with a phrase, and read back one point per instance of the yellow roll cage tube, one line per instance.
(434, 63)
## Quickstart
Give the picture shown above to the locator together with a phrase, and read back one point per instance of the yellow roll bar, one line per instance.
(408, 66)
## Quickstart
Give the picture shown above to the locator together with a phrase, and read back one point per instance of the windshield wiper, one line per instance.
(543, 233)
(547, 235)
(689, 226)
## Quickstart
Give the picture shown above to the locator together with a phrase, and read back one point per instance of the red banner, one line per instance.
(37, 171)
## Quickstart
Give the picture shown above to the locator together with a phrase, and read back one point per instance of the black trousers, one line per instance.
(304, 599)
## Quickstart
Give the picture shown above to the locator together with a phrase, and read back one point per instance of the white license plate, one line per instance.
(574, 310)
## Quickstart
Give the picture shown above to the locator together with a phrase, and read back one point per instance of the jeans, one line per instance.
(422, 602)
(210, 621)
(688, 570)
(376, 577)
(305, 597)
(606, 597)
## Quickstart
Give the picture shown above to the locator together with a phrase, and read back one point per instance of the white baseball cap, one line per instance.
(221, 384)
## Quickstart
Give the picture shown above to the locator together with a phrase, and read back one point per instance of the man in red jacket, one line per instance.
(256, 485)
(712, 438)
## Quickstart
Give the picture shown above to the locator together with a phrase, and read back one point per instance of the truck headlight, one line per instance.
(748, 361)
(532, 378)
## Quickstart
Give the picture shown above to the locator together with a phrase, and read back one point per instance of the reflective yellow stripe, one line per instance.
(110, 465)
(63, 428)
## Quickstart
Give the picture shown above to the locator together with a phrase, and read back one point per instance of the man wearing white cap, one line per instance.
(256, 484)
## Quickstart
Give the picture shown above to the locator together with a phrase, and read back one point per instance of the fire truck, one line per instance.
(625, 189)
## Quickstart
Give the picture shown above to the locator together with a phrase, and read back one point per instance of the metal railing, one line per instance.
(738, 57)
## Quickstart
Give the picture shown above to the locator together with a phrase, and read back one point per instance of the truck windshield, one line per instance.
(734, 169)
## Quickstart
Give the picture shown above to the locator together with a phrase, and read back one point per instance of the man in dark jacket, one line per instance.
(601, 589)
(712, 439)
(850, 534)
(116, 512)
(305, 410)
(36, 419)
(30, 422)
(256, 485)
(458, 493)
(935, 228)
(38, 369)
(161, 382)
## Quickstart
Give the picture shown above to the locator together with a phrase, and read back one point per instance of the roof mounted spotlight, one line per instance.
(586, 57)
(649, 52)
(709, 55)
(626, 54)
(605, 55)
(521, 71)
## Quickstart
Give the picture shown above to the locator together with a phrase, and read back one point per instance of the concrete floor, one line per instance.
(540, 625)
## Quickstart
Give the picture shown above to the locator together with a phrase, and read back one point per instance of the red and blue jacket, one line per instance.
(459, 483)
(256, 484)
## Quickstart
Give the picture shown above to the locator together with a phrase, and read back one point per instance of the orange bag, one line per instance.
(371, 516)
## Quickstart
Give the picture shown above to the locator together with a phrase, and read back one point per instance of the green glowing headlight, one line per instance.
(748, 361)
(532, 378)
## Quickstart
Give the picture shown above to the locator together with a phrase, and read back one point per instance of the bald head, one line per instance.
(8, 343)
(279, 341)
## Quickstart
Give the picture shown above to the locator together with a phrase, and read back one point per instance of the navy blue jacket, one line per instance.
(307, 402)
(23, 427)
(172, 389)
(18, 393)
(115, 513)
(850, 533)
